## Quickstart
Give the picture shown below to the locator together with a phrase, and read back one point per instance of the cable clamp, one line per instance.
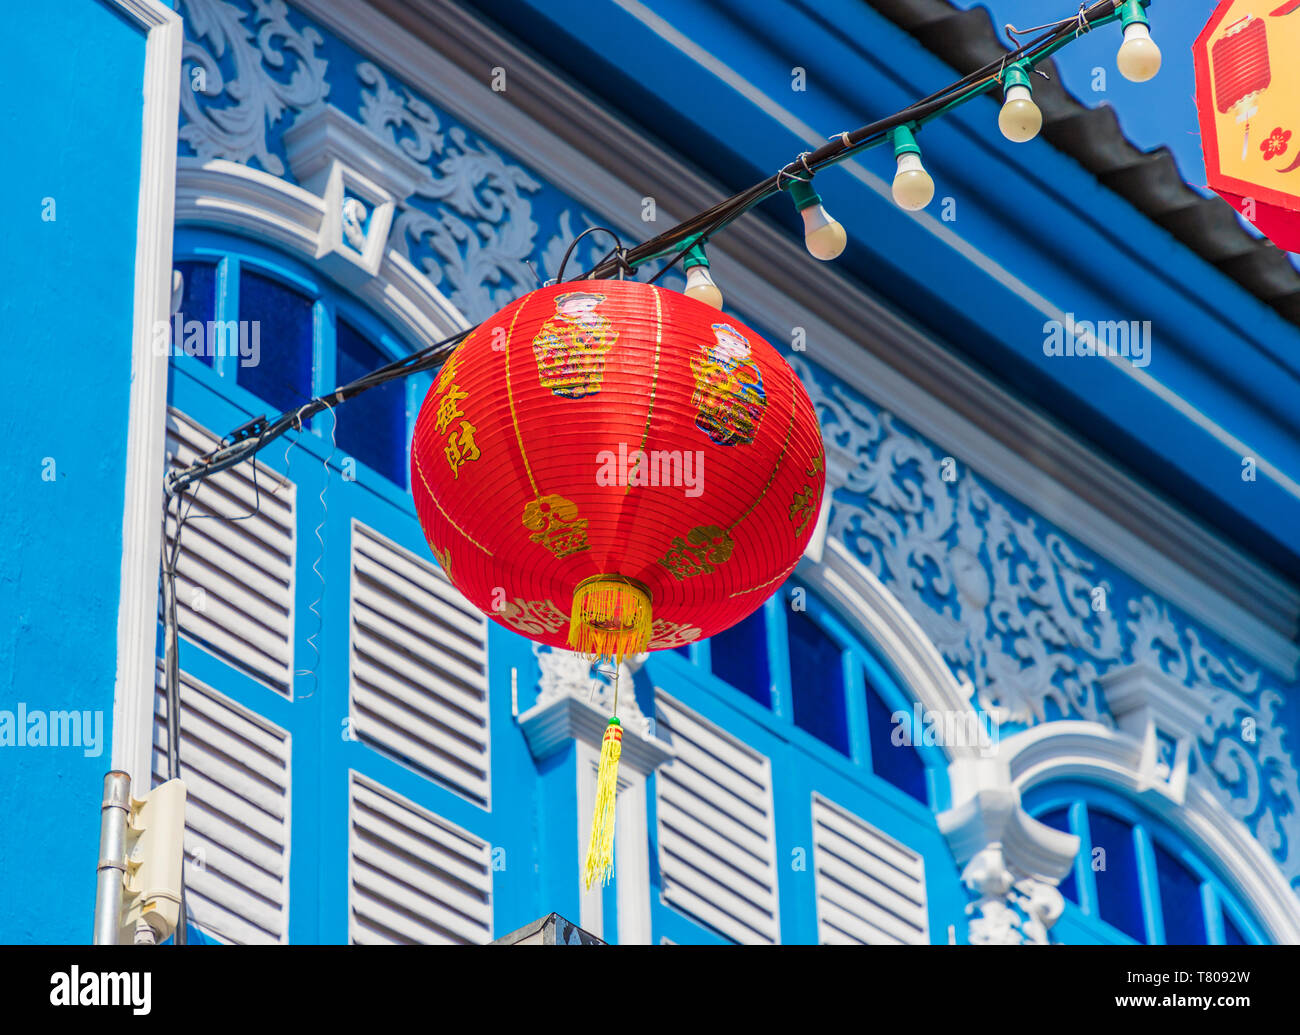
(803, 160)
(620, 257)
(256, 426)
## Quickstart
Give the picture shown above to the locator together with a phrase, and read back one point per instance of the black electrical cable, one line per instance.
(678, 240)
(221, 459)
(619, 261)
(618, 248)
(844, 144)
(236, 452)
(171, 669)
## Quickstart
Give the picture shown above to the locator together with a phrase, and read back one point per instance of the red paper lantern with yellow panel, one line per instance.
(611, 467)
(1248, 94)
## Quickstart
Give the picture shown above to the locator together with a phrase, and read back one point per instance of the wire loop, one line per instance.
(620, 257)
(618, 245)
(1085, 26)
(782, 173)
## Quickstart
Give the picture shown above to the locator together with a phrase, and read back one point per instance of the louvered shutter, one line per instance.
(716, 840)
(414, 877)
(236, 768)
(419, 665)
(234, 585)
(870, 888)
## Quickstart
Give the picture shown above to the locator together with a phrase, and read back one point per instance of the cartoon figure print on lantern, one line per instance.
(642, 476)
(571, 346)
(728, 388)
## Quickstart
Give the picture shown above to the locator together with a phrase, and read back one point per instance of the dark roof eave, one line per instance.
(1148, 180)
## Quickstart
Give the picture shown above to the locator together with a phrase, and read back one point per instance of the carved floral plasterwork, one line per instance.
(1013, 606)
(1005, 910)
(470, 224)
(276, 70)
(567, 674)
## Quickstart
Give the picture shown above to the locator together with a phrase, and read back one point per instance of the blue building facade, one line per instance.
(1034, 681)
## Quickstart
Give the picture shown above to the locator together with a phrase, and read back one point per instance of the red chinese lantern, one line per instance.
(1241, 70)
(611, 467)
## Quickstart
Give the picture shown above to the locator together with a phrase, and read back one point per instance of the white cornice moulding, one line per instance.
(228, 196)
(987, 812)
(551, 727)
(563, 133)
(1133, 689)
(133, 691)
(1150, 707)
(231, 196)
(1089, 751)
(322, 135)
(337, 158)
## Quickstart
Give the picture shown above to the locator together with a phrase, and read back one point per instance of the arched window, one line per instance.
(795, 657)
(740, 658)
(793, 720)
(1134, 879)
(274, 335)
(384, 672)
(817, 691)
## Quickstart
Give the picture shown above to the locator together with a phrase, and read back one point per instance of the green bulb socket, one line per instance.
(1134, 12)
(803, 195)
(1017, 75)
(695, 257)
(905, 141)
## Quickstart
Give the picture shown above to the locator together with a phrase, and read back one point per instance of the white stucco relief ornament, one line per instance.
(229, 118)
(354, 223)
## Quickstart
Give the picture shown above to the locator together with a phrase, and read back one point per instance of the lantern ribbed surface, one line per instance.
(626, 443)
(1241, 68)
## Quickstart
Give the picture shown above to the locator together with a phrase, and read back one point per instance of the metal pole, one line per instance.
(172, 678)
(114, 811)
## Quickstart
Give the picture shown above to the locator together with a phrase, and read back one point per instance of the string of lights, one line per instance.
(913, 189)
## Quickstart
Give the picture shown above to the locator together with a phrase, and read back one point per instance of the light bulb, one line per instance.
(1020, 119)
(700, 286)
(913, 187)
(823, 236)
(1139, 57)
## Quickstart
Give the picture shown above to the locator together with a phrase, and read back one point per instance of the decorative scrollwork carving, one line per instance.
(1009, 601)
(275, 67)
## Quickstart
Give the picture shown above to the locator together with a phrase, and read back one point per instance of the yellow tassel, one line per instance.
(610, 617)
(600, 851)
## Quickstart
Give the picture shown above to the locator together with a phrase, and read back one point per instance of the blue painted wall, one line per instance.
(66, 311)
